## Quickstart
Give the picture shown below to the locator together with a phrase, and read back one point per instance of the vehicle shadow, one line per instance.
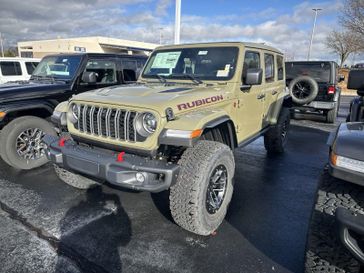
(92, 233)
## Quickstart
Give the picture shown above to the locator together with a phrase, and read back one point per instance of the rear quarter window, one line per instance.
(10, 68)
(30, 67)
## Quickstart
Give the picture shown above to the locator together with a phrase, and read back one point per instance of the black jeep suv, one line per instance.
(26, 107)
(313, 86)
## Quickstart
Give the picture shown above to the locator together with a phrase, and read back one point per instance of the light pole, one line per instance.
(160, 35)
(312, 34)
(177, 25)
(1, 45)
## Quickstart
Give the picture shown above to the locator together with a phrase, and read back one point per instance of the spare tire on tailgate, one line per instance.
(303, 90)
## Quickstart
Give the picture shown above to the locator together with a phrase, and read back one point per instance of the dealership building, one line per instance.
(38, 49)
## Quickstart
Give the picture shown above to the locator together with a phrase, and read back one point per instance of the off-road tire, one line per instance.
(324, 251)
(274, 141)
(10, 133)
(188, 195)
(75, 180)
(331, 115)
(313, 89)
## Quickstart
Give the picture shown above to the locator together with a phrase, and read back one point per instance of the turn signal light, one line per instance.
(196, 133)
(331, 90)
(333, 158)
(2, 114)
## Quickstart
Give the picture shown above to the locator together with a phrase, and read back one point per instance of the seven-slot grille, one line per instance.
(118, 124)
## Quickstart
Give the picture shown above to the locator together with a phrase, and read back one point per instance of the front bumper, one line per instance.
(104, 165)
(350, 223)
(347, 175)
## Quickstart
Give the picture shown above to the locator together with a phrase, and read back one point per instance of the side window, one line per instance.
(10, 68)
(251, 60)
(269, 67)
(130, 70)
(280, 67)
(105, 71)
(30, 67)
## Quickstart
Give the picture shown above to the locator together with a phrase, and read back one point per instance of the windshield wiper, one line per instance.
(189, 76)
(161, 78)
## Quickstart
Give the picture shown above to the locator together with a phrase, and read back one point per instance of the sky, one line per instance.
(286, 25)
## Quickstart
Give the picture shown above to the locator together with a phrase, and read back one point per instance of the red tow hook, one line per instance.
(120, 157)
(62, 141)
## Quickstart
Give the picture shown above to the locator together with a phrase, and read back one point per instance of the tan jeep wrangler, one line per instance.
(177, 127)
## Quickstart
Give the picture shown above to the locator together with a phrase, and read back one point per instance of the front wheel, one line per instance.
(204, 187)
(21, 144)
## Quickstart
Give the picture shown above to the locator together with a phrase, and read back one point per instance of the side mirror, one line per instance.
(253, 76)
(89, 77)
(341, 78)
(356, 79)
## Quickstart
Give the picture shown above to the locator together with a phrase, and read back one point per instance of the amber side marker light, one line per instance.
(2, 114)
(333, 158)
(196, 133)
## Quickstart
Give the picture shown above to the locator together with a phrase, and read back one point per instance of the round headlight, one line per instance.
(146, 124)
(73, 113)
(149, 122)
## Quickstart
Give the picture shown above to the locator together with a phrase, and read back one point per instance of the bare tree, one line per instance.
(344, 43)
(352, 16)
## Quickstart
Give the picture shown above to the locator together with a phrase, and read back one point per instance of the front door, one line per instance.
(106, 74)
(250, 101)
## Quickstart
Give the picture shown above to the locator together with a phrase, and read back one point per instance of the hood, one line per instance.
(30, 89)
(350, 140)
(159, 97)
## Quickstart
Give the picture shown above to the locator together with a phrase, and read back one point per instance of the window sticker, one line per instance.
(166, 59)
(203, 52)
(223, 73)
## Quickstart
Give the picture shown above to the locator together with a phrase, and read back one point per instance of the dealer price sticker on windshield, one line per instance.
(166, 59)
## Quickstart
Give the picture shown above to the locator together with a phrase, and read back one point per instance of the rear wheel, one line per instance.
(204, 187)
(275, 139)
(21, 142)
(332, 114)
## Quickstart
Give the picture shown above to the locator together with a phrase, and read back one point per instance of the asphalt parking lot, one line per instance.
(47, 226)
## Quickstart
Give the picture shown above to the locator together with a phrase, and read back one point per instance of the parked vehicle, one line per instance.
(336, 236)
(17, 69)
(314, 88)
(26, 107)
(359, 65)
(178, 127)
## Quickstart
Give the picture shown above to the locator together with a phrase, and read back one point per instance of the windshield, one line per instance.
(209, 63)
(58, 67)
(319, 71)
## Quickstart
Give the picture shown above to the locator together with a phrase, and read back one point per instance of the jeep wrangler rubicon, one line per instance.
(26, 106)
(177, 127)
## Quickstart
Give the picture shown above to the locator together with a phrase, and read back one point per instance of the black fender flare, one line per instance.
(27, 105)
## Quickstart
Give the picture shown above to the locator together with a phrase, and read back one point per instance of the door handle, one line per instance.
(261, 96)
(274, 92)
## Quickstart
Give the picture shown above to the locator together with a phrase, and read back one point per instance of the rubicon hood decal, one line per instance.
(196, 103)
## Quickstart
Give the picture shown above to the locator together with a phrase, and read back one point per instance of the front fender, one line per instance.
(185, 130)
